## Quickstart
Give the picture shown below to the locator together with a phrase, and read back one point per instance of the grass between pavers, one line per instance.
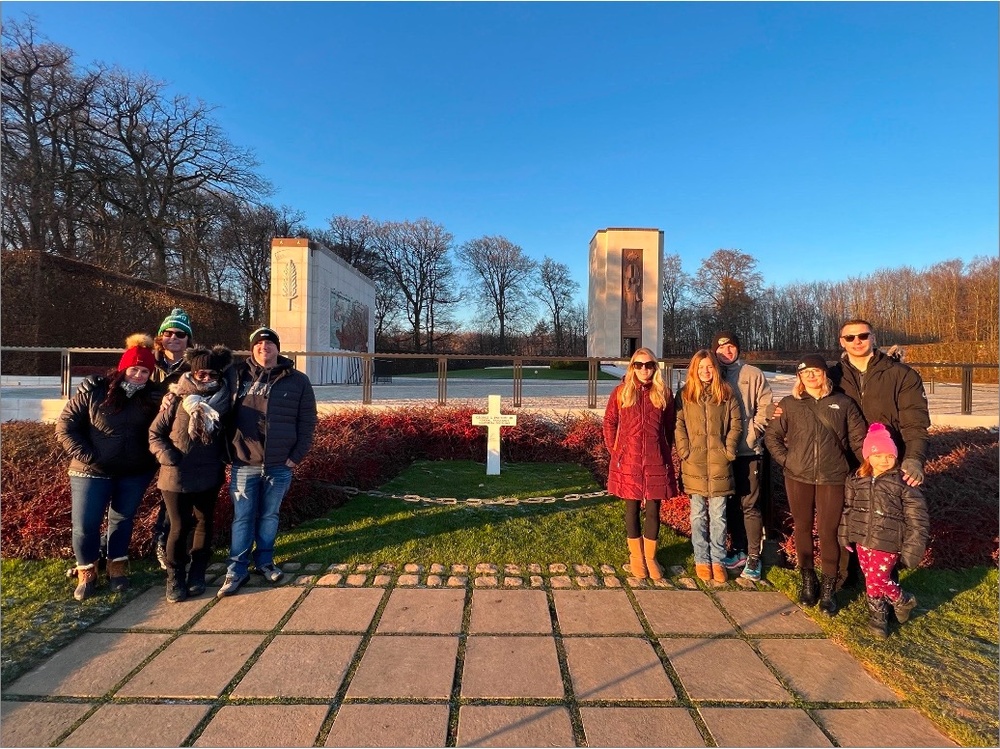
(944, 660)
(507, 373)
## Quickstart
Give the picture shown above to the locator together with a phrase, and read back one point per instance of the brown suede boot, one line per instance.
(703, 571)
(636, 562)
(649, 551)
(86, 581)
(118, 574)
(719, 573)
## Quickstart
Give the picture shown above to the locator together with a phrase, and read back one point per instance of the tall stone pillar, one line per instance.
(625, 305)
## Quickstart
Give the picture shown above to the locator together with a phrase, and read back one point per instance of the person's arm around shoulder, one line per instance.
(305, 424)
(857, 427)
(762, 402)
(914, 420)
(916, 526)
(777, 430)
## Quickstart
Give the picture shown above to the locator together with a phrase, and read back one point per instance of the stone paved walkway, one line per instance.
(366, 656)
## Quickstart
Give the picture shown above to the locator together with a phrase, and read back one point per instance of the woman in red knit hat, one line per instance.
(105, 430)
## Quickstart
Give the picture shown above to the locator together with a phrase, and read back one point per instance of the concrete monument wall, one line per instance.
(320, 302)
(625, 303)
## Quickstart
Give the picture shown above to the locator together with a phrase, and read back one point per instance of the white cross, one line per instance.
(493, 420)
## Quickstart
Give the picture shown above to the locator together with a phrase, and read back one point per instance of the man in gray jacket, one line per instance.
(743, 512)
(272, 426)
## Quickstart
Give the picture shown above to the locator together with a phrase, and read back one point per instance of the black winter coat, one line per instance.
(274, 414)
(101, 442)
(817, 441)
(187, 465)
(891, 393)
(885, 513)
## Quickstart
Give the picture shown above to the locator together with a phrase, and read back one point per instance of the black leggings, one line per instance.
(823, 503)
(651, 524)
(190, 513)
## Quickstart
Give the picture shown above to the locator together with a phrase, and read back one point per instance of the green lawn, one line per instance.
(945, 659)
(507, 373)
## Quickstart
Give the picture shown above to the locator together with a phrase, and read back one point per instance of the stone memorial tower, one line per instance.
(320, 302)
(625, 304)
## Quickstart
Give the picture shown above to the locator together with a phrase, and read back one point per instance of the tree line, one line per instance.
(106, 166)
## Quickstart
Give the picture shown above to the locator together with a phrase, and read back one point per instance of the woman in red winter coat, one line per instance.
(639, 431)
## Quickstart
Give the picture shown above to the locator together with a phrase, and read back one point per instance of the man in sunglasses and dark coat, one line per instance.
(888, 392)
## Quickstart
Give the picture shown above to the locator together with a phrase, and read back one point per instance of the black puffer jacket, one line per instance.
(274, 414)
(817, 441)
(891, 393)
(885, 513)
(102, 442)
(187, 465)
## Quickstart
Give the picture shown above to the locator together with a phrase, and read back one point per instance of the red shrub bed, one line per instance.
(365, 448)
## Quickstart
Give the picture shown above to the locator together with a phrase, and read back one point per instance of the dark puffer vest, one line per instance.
(886, 514)
(639, 439)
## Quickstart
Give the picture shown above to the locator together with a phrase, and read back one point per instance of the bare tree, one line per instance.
(557, 289)
(728, 282)
(501, 273)
(676, 284)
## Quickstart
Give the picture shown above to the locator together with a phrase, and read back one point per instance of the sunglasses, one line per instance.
(206, 374)
(174, 334)
(861, 336)
(644, 365)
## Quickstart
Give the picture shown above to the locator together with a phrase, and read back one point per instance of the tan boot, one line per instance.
(719, 573)
(636, 563)
(118, 574)
(86, 581)
(703, 571)
(649, 551)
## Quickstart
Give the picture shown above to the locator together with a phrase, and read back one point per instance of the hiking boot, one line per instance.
(878, 617)
(232, 584)
(271, 573)
(752, 569)
(118, 574)
(86, 577)
(176, 584)
(809, 594)
(734, 561)
(904, 606)
(196, 573)
(828, 596)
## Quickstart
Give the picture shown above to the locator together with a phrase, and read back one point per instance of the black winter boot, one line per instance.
(878, 617)
(176, 584)
(904, 606)
(196, 573)
(828, 596)
(810, 588)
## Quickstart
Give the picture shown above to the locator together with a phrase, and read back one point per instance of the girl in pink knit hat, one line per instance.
(886, 519)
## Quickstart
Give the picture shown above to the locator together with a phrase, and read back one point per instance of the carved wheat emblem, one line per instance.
(289, 282)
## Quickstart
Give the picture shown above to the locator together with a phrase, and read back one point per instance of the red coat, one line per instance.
(640, 439)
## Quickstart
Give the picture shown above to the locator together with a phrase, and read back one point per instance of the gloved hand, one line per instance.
(913, 471)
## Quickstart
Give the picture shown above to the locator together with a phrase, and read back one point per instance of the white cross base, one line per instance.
(493, 420)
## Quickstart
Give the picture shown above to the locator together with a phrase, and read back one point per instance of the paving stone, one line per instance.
(389, 725)
(357, 581)
(365, 568)
(635, 582)
(512, 569)
(881, 727)
(90, 665)
(37, 723)
(291, 566)
(303, 580)
(583, 569)
(264, 725)
(423, 612)
(387, 567)
(216, 567)
(337, 567)
(557, 569)
(608, 569)
(150, 610)
(456, 581)
(138, 725)
(640, 726)
(460, 569)
(300, 666)
(413, 568)
(537, 581)
(513, 582)
(248, 610)
(822, 671)
(561, 582)
(514, 726)
(616, 668)
(332, 578)
(722, 669)
(437, 569)
(382, 581)
(661, 583)
(595, 612)
(676, 570)
(530, 668)
(768, 726)
(510, 612)
(587, 581)
(314, 567)
(408, 580)
(687, 583)
(535, 569)
(485, 568)
(767, 613)
(486, 581)
(434, 581)
(417, 666)
(746, 584)
(612, 582)
(680, 612)
(170, 674)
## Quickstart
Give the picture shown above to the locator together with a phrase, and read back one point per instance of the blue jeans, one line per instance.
(93, 497)
(256, 492)
(708, 529)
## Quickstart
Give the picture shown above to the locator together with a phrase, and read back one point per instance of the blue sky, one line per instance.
(827, 140)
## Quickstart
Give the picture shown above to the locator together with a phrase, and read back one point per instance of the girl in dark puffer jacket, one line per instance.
(887, 520)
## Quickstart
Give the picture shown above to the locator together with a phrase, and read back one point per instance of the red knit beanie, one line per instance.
(878, 442)
(138, 353)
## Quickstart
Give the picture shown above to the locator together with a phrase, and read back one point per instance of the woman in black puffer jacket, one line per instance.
(816, 440)
(105, 430)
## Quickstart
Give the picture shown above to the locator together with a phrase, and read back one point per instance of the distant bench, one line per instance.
(383, 371)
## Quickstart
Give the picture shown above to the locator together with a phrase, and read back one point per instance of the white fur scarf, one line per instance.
(203, 419)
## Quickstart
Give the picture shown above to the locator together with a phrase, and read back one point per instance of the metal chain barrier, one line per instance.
(470, 501)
